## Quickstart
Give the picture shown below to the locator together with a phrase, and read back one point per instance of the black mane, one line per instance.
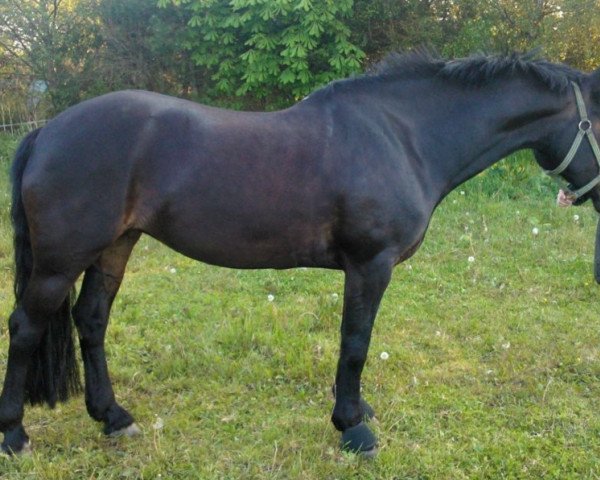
(476, 70)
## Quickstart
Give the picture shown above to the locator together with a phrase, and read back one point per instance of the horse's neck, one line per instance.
(479, 126)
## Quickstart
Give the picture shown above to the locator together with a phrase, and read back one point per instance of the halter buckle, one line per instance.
(585, 125)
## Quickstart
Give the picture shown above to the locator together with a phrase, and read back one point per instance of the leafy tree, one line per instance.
(565, 30)
(381, 26)
(273, 51)
(574, 35)
(52, 40)
(263, 53)
(140, 47)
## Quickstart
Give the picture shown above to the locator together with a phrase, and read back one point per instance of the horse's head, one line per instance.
(573, 150)
(579, 163)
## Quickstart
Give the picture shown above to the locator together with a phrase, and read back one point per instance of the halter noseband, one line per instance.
(585, 130)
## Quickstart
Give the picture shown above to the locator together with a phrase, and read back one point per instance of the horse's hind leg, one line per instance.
(91, 312)
(44, 296)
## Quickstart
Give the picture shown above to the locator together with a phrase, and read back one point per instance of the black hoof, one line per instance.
(116, 420)
(359, 439)
(16, 442)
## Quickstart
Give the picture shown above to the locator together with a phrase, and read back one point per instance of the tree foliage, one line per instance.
(141, 46)
(564, 30)
(273, 51)
(261, 54)
(51, 40)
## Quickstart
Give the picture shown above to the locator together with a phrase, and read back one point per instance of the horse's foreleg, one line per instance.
(91, 312)
(364, 287)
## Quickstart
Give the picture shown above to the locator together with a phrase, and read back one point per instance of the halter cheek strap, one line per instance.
(585, 130)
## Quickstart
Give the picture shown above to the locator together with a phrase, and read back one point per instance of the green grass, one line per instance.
(493, 369)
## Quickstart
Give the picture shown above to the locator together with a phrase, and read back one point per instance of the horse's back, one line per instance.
(231, 188)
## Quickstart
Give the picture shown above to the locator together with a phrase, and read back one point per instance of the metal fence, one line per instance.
(21, 126)
(19, 111)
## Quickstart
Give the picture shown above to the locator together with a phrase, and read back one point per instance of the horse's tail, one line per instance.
(53, 372)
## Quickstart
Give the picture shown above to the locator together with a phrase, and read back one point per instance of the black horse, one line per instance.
(346, 179)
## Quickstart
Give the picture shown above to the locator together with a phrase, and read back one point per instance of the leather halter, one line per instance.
(585, 130)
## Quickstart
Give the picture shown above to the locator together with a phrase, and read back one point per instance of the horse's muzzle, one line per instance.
(593, 195)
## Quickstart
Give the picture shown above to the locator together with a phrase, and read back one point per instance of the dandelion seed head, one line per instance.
(384, 355)
(158, 423)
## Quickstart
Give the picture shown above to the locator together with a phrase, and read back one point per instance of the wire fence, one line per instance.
(20, 112)
(21, 127)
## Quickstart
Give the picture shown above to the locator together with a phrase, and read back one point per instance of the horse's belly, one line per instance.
(256, 217)
(249, 244)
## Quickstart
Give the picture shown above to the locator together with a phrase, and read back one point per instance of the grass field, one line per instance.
(493, 368)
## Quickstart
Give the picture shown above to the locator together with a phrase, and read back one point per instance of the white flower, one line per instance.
(158, 424)
(462, 192)
(471, 259)
(576, 218)
(506, 345)
(535, 230)
(173, 270)
(384, 355)
(334, 297)
(270, 297)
